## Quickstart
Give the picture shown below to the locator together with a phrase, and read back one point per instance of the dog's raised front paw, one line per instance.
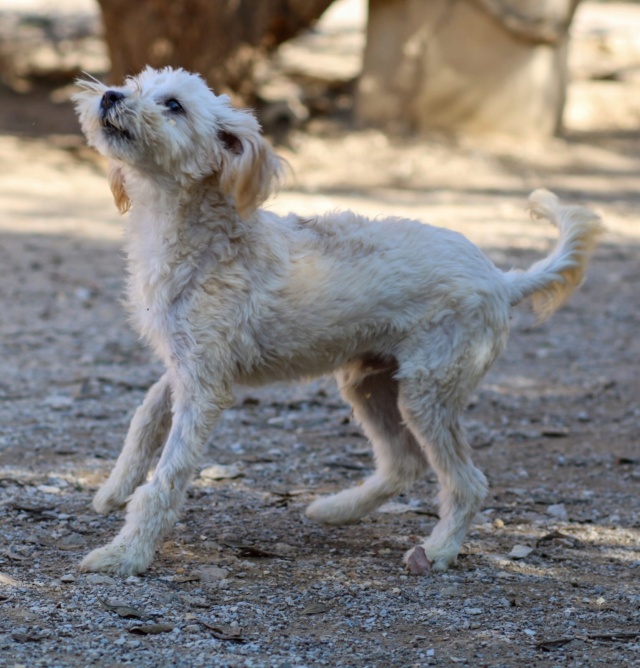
(118, 558)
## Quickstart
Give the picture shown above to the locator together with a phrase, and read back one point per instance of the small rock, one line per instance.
(220, 472)
(211, 573)
(472, 611)
(99, 579)
(558, 511)
(283, 549)
(58, 402)
(418, 563)
(192, 628)
(520, 551)
(7, 580)
(83, 294)
(68, 577)
(48, 489)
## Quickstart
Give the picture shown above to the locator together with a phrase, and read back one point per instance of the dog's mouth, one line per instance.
(112, 130)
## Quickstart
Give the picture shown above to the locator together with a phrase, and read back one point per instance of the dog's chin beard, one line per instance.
(110, 130)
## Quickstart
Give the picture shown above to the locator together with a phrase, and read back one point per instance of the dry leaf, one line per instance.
(615, 637)
(151, 629)
(195, 601)
(555, 432)
(26, 637)
(291, 493)
(315, 609)
(123, 610)
(193, 577)
(561, 538)
(233, 634)
(253, 551)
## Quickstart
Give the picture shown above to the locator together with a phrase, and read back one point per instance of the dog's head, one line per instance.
(169, 124)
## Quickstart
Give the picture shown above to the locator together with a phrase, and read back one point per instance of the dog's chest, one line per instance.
(160, 275)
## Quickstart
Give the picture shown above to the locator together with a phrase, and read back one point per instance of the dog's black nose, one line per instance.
(110, 99)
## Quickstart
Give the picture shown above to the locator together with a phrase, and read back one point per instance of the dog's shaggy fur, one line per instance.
(409, 317)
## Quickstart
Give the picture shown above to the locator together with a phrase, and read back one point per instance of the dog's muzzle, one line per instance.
(111, 113)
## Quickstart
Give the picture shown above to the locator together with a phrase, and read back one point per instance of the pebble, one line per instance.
(558, 511)
(48, 489)
(220, 472)
(68, 577)
(99, 579)
(283, 549)
(58, 402)
(520, 551)
(472, 611)
(211, 573)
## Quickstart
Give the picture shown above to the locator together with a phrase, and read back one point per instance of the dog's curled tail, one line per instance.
(551, 281)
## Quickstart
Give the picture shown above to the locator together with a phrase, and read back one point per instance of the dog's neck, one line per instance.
(175, 234)
(187, 218)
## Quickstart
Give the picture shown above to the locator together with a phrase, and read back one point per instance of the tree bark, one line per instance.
(474, 66)
(220, 39)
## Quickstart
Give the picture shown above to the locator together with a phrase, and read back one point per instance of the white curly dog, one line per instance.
(409, 317)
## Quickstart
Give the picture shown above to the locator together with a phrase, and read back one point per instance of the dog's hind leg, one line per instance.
(147, 433)
(373, 395)
(435, 423)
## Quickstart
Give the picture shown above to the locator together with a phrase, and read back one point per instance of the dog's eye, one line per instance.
(173, 105)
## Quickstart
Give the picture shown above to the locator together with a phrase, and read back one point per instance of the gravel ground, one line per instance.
(549, 574)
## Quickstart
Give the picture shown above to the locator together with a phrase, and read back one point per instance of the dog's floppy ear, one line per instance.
(116, 183)
(250, 168)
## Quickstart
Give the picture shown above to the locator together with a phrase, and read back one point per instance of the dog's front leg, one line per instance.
(147, 433)
(154, 507)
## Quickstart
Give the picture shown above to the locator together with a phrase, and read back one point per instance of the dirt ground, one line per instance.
(549, 574)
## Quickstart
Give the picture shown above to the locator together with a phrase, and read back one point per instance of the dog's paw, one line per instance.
(109, 498)
(334, 510)
(424, 559)
(117, 558)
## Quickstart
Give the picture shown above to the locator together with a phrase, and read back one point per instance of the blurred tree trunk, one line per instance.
(220, 39)
(466, 65)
